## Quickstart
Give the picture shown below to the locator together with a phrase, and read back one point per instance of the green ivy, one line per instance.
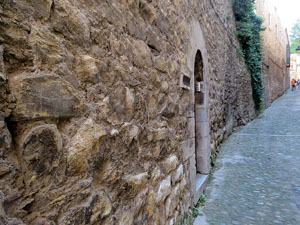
(248, 28)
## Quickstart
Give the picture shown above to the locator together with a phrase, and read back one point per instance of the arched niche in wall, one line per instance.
(197, 64)
(201, 117)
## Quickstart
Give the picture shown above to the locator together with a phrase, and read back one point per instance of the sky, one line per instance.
(289, 12)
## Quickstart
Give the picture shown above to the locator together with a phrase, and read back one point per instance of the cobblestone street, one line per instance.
(257, 175)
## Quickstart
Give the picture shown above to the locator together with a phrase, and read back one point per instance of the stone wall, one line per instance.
(275, 40)
(97, 122)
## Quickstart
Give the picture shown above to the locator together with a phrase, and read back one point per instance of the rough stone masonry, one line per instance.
(97, 120)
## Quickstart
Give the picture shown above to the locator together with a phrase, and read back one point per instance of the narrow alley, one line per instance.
(257, 174)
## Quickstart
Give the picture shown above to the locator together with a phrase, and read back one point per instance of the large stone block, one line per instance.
(191, 127)
(82, 144)
(147, 11)
(188, 148)
(177, 176)
(142, 54)
(172, 201)
(150, 205)
(42, 8)
(202, 129)
(164, 190)
(131, 133)
(203, 155)
(43, 96)
(137, 182)
(42, 150)
(201, 114)
(170, 163)
(192, 176)
(40, 156)
(87, 69)
(101, 206)
(75, 26)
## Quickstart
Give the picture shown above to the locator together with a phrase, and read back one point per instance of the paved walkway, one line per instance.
(257, 175)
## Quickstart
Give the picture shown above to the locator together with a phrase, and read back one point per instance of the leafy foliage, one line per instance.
(202, 200)
(195, 212)
(294, 45)
(295, 36)
(249, 26)
(296, 30)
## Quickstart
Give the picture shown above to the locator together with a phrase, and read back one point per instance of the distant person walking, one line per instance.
(293, 84)
(298, 82)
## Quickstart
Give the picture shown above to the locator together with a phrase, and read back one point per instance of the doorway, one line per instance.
(202, 148)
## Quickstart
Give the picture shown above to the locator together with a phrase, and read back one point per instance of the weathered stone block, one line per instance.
(160, 133)
(188, 148)
(201, 114)
(81, 145)
(87, 69)
(163, 190)
(170, 163)
(177, 176)
(147, 11)
(183, 185)
(156, 174)
(150, 206)
(42, 149)
(202, 129)
(142, 55)
(172, 201)
(42, 8)
(131, 132)
(75, 26)
(137, 182)
(191, 127)
(43, 96)
(160, 63)
(101, 206)
(121, 107)
(203, 155)
(153, 38)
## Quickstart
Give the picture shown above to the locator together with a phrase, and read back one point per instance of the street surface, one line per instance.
(257, 175)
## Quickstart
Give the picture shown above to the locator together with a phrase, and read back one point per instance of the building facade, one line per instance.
(275, 51)
(295, 66)
(111, 112)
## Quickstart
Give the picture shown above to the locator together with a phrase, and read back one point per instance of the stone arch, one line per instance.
(197, 61)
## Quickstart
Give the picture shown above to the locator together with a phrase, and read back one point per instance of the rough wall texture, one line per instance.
(275, 40)
(94, 124)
